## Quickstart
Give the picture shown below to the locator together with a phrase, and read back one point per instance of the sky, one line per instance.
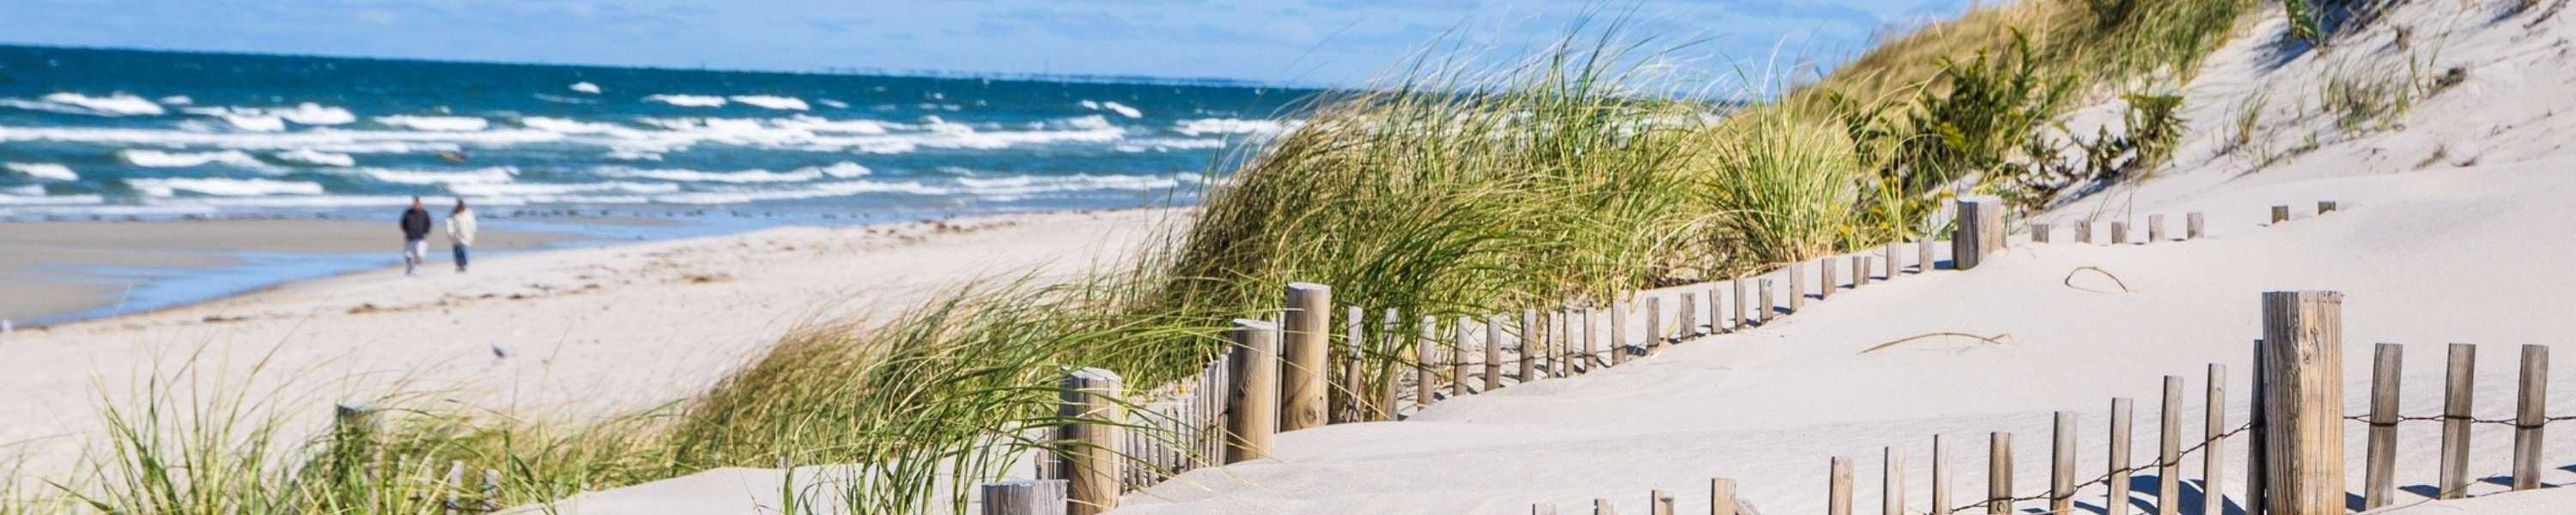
(1317, 42)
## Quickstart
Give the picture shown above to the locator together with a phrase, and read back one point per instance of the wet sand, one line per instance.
(58, 268)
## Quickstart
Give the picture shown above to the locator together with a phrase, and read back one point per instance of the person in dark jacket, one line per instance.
(415, 227)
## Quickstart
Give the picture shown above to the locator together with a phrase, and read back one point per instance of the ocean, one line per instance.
(120, 133)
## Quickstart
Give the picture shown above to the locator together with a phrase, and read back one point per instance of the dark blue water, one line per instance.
(116, 132)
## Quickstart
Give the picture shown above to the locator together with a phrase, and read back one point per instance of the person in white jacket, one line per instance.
(460, 231)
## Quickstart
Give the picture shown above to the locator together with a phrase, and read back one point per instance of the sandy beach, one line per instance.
(56, 263)
(560, 333)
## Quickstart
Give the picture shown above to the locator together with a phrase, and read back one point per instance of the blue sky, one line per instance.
(1303, 41)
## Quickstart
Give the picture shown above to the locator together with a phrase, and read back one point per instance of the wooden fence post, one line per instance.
(1923, 263)
(353, 443)
(1721, 496)
(1797, 277)
(2529, 414)
(1591, 342)
(1742, 300)
(1458, 367)
(1654, 325)
(1839, 488)
(1764, 310)
(2379, 476)
(2280, 214)
(1393, 336)
(2039, 233)
(2117, 502)
(1826, 281)
(1891, 489)
(2084, 232)
(1425, 377)
(1860, 270)
(1981, 231)
(2192, 226)
(1603, 507)
(2257, 454)
(2061, 465)
(1895, 258)
(2459, 386)
(1940, 475)
(2303, 390)
(2119, 232)
(1618, 332)
(1657, 503)
(1348, 404)
(1561, 343)
(1252, 411)
(1542, 509)
(2169, 450)
(1303, 351)
(2213, 429)
(1533, 343)
(1999, 474)
(2155, 228)
(1494, 351)
(1093, 463)
(1688, 313)
(2325, 206)
(1024, 497)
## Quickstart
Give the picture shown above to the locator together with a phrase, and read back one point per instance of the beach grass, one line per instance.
(1456, 186)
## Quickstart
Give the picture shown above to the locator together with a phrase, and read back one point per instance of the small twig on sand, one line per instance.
(1998, 339)
(2070, 279)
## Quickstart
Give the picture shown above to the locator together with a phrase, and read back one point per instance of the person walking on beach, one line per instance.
(460, 231)
(415, 227)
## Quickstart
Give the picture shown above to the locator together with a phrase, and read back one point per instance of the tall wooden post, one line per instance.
(1348, 381)
(1458, 367)
(1688, 313)
(1940, 475)
(1826, 280)
(2119, 232)
(2530, 414)
(2169, 450)
(1721, 496)
(1839, 488)
(2213, 426)
(2459, 384)
(2379, 475)
(1533, 344)
(1618, 332)
(1981, 231)
(1093, 463)
(1303, 352)
(1425, 377)
(2061, 465)
(1252, 408)
(1891, 481)
(1494, 351)
(1743, 298)
(1393, 337)
(2303, 402)
(1796, 275)
(1999, 474)
(1895, 259)
(1023, 497)
(1654, 325)
(2117, 502)
(1591, 342)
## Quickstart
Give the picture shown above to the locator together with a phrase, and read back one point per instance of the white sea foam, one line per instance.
(1169, 144)
(256, 123)
(560, 99)
(306, 113)
(343, 141)
(688, 100)
(487, 175)
(177, 100)
(835, 104)
(436, 123)
(49, 171)
(772, 102)
(685, 175)
(820, 124)
(118, 104)
(584, 87)
(632, 155)
(1122, 109)
(29, 190)
(163, 159)
(509, 189)
(844, 169)
(569, 126)
(223, 187)
(1088, 122)
(311, 156)
(1206, 126)
(40, 199)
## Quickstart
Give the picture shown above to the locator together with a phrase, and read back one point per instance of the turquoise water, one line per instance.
(119, 133)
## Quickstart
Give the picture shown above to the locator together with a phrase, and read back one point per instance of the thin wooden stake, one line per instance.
(1591, 342)
(1999, 474)
(1347, 402)
(1458, 366)
(2380, 475)
(2039, 233)
(1619, 332)
(1839, 489)
(2192, 226)
(1980, 231)
(2169, 450)
(1395, 348)
(1603, 507)
(2061, 465)
(1895, 258)
(1721, 496)
(2213, 429)
(1940, 475)
(1797, 277)
(1494, 351)
(1742, 301)
(2119, 232)
(2155, 228)
(1533, 343)
(2325, 206)
(2280, 214)
(1561, 343)
(1659, 504)
(1827, 281)
(1689, 315)
(2084, 232)
(1654, 325)
(2529, 415)
(1891, 489)
(1427, 354)
(1762, 312)
(2457, 392)
(2117, 501)
(1923, 263)
(1861, 269)
(1542, 509)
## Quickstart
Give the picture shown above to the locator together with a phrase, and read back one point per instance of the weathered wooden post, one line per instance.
(1999, 474)
(1654, 325)
(1618, 332)
(2280, 214)
(2459, 386)
(1024, 497)
(1923, 255)
(2325, 206)
(1860, 270)
(1796, 275)
(1721, 496)
(1533, 343)
(1425, 378)
(2117, 502)
(2039, 233)
(2530, 416)
(1303, 352)
(1839, 488)
(2155, 228)
(2119, 232)
(1542, 509)
(2192, 226)
(1895, 259)
(1252, 405)
(1742, 300)
(1395, 347)
(1658, 503)
(1689, 315)
(1826, 280)
(2084, 232)
(1940, 475)
(1494, 351)
(1603, 507)
(2213, 427)
(1981, 231)
(1458, 367)
(1561, 343)
(1591, 342)
(353, 443)
(1093, 464)
(2061, 465)
(2379, 475)
(2303, 402)
(2169, 450)
(1348, 405)
(1762, 312)
(1891, 481)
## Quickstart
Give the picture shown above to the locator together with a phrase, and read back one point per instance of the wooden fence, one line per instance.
(1289, 373)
